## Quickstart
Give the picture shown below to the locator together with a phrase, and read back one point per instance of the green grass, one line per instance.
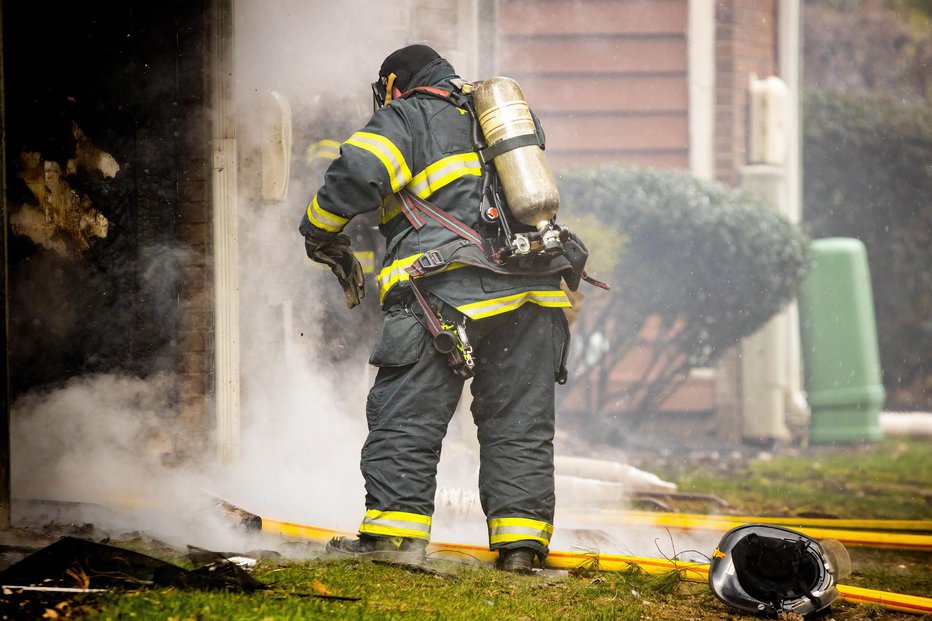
(891, 570)
(891, 479)
(888, 480)
(300, 590)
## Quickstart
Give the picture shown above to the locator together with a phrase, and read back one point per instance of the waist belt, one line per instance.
(472, 250)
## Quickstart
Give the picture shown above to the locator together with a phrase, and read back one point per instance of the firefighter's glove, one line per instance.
(335, 253)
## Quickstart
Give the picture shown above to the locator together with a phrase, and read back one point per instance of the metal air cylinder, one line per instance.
(528, 183)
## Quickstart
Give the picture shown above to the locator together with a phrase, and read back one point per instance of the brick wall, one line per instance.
(173, 186)
(745, 43)
(194, 222)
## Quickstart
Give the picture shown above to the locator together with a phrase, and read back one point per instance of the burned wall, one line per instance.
(107, 167)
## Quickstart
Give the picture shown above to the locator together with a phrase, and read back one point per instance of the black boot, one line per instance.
(517, 560)
(401, 549)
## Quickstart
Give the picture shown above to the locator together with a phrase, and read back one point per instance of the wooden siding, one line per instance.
(587, 17)
(609, 94)
(608, 78)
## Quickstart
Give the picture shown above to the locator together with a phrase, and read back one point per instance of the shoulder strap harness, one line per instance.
(450, 339)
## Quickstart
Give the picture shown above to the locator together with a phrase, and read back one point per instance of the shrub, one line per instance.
(867, 175)
(712, 264)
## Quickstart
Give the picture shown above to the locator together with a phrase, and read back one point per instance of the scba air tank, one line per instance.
(526, 179)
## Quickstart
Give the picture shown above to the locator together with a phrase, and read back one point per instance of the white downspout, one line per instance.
(225, 238)
(773, 402)
(789, 57)
(701, 53)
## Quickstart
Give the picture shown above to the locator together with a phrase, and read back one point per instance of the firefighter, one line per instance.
(443, 321)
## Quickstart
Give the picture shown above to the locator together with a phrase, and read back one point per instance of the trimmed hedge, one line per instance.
(868, 175)
(711, 262)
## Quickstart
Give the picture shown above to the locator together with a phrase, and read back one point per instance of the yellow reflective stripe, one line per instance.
(507, 530)
(509, 538)
(401, 516)
(391, 275)
(443, 172)
(324, 149)
(439, 174)
(323, 219)
(366, 260)
(388, 154)
(497, 306)
(390, 208)
(396, 524)
(528, 523)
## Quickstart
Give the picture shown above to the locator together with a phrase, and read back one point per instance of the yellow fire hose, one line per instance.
(792, 522)
(831, 528)
(695, 572)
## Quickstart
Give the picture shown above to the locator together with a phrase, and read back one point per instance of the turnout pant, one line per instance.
(518, 356)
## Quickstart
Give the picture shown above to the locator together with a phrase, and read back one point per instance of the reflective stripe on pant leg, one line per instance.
(508, 530)
(513, 407)
(396, 524)
(408, 409)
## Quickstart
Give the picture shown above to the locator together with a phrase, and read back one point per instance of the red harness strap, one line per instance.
(430, 90)
(412, 206)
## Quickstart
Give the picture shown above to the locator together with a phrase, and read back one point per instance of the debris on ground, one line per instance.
(106, 566)
(42, 584)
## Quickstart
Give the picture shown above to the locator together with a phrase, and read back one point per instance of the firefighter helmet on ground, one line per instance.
(765, 569)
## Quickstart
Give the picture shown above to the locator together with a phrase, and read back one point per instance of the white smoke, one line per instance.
(110, 439)
(106, 442)
(92, 434)
(304, 416)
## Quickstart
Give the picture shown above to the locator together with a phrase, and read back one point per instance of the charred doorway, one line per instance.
(108, 168)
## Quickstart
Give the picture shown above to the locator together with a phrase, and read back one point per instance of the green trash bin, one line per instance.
(839, 343)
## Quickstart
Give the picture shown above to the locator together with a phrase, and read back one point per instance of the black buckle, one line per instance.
(431, 259)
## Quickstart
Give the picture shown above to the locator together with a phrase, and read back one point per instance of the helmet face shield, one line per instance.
(765, 569)
(837, 556)
(378, 94)
(382, 90)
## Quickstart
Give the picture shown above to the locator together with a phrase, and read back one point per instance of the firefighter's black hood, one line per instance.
(433, 73)
(404, 63)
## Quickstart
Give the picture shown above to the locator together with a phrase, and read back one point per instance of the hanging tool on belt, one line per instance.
(449, 337)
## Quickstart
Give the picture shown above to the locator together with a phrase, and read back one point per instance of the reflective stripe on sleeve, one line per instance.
(323, 219)
(507, 530)
(396, 524)
(497, 306)
(387, 153)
